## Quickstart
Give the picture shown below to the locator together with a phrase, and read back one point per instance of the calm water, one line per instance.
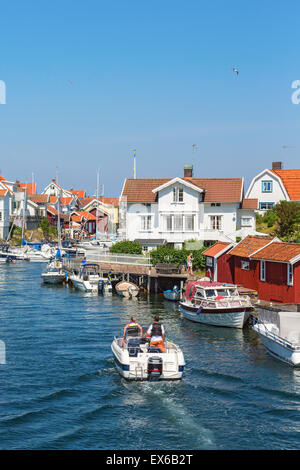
(60, 389)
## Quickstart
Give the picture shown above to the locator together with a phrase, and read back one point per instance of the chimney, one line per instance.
(188, 171)
(276, 165)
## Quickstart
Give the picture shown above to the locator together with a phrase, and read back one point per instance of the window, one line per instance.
(215, 204)
(246, 222)
(265, 206)
(146, 222)
(245, 265)
(216, 222)
(209, 261)
(267, 186)
(189, 223)
(178, 222)
(177, 195)
(0, 215)
(290, 274)
(262, 270)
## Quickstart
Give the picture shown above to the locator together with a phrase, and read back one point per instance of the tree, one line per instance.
(45, 226)
(288, 219)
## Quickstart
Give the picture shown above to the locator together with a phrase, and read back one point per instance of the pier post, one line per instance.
(148, 284)
(156, 285)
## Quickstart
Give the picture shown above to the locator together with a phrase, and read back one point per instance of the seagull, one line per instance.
(235, 70)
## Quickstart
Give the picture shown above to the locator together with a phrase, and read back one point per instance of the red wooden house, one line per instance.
(265, 264)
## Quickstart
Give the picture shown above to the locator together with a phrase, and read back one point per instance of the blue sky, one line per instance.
(88, 82)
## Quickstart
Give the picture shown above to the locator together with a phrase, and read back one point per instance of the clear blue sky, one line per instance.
(89, 81)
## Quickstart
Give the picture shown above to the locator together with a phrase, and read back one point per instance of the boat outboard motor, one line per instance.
(155, 368)
(100, 286)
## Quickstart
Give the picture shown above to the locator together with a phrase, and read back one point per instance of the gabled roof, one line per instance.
(185, 182)
(53, 211)
(217, 249)
(53, 199)
(291, 182)
(30, 187)
(278, 251)
(3, 186)
(250, 245)
(80, 193)
(39, 198)
(65, 201)
(216, 189)
(3, 192)
(84, 214)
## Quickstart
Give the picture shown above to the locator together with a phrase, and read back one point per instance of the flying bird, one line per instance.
(235, 70)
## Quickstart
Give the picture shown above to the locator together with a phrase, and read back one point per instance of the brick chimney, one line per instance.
(276, 165)
(188, 171)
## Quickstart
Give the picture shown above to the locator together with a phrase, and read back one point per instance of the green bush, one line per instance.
(45, 226)
(127, 247)
(164, 254)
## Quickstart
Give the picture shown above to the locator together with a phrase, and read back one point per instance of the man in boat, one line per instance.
(156, 332)
(131, 324)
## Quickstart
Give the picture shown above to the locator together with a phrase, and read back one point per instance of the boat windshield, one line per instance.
(199, 293)
(210, 293)
(233, 292)
(222, 292)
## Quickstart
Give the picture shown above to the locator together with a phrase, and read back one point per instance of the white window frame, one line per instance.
(209, 261)
(245, 265)
(290, 274)
(149, 223)
(248, 224)
(262, 270)
(177, 194)
(218, 225)
(267, 183)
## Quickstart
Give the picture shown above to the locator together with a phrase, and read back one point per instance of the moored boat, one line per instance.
(127, 289)
(54, 273)
(215, 303)
(280, 334)
(173, 294)
(136, 360)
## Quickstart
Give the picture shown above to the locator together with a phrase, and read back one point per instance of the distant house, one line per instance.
(82, 222)
(53, 189)
(175, 210)
(275, 185)
(105, 209)
(265, 264)
(5, 209)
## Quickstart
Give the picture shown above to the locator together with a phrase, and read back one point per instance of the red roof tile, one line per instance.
(291, 182)
(249, 245)
(3, 192)
(80, 194)
(249, 204)
(278, 251)
(38, 198)
(30, 187)
(216, 189)
(215, 249)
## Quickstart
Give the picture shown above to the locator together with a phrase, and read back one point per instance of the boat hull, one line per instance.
(278, 348)
(84, 286)
(231, 318)
(53, 279)
(175, 296)
(135, 368)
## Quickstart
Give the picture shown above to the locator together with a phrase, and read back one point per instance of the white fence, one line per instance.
(115, 258)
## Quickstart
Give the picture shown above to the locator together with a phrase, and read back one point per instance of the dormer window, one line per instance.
(177, 195)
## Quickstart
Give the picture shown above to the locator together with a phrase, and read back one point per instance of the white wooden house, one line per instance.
(175, 210)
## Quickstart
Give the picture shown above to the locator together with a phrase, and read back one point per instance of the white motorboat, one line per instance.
(10, 254)
(54, 273)
(280, 335)
(173, 294)
(136, 360)
(215, 303)
(127, 289)
(89, 279)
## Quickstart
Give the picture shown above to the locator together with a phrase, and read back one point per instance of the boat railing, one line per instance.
(226, 302)
(274, 336)
(168, 345)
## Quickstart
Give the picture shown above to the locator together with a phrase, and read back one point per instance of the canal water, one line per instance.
(59, 388)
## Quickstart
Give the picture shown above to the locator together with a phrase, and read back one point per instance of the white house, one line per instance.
(6, 196)
(275, 185)
(157, 211)
(53, 189)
